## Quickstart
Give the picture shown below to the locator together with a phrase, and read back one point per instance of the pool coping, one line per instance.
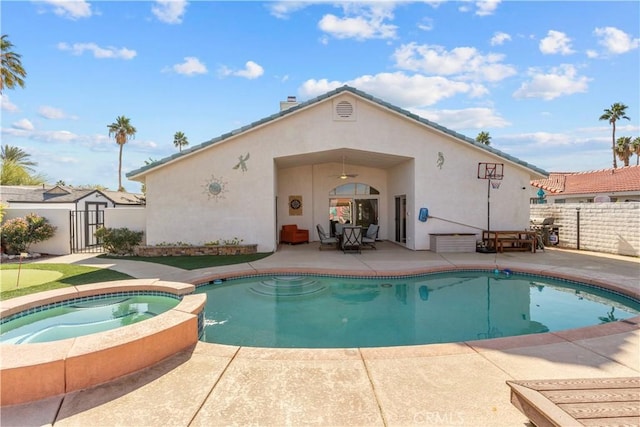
(36, 371)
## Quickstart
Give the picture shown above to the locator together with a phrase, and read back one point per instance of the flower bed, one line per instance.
(149, 251)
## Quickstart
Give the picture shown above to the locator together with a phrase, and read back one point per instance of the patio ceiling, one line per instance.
(351, 157)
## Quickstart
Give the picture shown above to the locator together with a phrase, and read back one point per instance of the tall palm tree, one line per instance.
(635, 146)
(18, 156)
(617, 111)
(180, 140)
(12, 73)
(123, 131)
(623, 149)
(484, 138)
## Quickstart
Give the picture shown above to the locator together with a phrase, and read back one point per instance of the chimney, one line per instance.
(290, 102)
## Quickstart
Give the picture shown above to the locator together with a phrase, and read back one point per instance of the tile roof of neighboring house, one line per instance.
(601, 181)
(61, 194)
(320, 98)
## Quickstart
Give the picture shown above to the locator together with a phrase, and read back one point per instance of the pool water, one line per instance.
(83, 316)
(332, 312)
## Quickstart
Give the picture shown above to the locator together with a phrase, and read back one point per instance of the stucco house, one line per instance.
(604, 185)
(342, 156)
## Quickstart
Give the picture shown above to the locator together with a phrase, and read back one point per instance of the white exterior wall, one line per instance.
(59, 244)
(132, 218)
(180, 210)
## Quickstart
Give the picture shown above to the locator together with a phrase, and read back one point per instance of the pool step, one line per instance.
(288, 286)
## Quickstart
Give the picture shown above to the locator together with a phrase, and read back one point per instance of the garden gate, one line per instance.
(83, 225)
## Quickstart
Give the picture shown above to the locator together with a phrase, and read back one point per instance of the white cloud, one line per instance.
(190, 67)
(51, 112)
(426, 24)
(282, 9)
(464, 62)
(560, 81)
(251, 71)
(70, 9)
(556, 42)
(7, 105)
(468, 118)
(358, 27)
(396, 88)
(616, 41)
(23, 124)
(499, 38)
(483, 7)
(98, 52)
(169, 11)
(486, 7)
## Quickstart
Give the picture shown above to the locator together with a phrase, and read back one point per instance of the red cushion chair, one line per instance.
(292, 234)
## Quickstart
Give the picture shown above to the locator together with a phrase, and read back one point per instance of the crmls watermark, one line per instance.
(438, 418)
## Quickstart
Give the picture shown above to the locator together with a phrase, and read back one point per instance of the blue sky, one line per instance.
(535, 75)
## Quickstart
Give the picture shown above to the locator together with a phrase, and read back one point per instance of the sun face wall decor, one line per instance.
(215, 188)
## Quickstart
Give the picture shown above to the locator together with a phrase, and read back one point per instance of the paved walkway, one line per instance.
(439, 384)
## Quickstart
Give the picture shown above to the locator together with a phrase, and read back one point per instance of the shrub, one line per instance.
(119, 241)
(19, 233)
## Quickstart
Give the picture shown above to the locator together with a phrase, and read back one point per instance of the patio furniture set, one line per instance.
(349, 238)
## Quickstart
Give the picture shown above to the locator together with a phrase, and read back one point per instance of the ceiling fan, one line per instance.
(345, 175)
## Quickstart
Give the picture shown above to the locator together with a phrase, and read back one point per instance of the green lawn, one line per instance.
(71, 275)
(195, 262)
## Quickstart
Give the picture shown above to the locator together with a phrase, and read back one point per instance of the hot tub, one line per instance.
(39, 370)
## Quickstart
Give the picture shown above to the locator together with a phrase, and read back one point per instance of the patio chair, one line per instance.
(325, 240)
(351, 239)
(369, 239)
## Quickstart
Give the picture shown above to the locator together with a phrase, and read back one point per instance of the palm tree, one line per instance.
(18, 156)
(180, 140)
(122, 130)
(635, 146)
(11, 173)
(12, 73)
(623, 149)
(617, 111)
(484, 138)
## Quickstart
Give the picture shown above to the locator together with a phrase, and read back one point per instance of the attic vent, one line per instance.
(344, 110)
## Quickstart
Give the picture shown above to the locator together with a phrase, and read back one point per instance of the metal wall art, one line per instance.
(215, 188)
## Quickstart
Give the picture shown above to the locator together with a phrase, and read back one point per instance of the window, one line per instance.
(354, 189)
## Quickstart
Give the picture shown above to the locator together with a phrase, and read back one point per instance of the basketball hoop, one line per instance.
(493, 173)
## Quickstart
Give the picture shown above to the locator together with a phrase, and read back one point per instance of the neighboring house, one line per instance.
(80, 211)
(62, 197)
(606, 185)
(343, 156)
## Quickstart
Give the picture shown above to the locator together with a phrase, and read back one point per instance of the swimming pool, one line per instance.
(306, 311)
(82, 316)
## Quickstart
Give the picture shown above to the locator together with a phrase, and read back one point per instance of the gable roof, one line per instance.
(294, 108)
(62, 194)
(626, 179)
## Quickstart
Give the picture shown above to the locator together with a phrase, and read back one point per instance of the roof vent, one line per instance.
(344, 111)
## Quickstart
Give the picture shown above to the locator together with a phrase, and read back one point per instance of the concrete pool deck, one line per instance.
(438, 384)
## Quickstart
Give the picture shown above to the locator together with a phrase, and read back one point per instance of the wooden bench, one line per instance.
(517, 240)
(573, 402)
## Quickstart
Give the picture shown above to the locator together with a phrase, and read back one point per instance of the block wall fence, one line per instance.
(603, 227)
